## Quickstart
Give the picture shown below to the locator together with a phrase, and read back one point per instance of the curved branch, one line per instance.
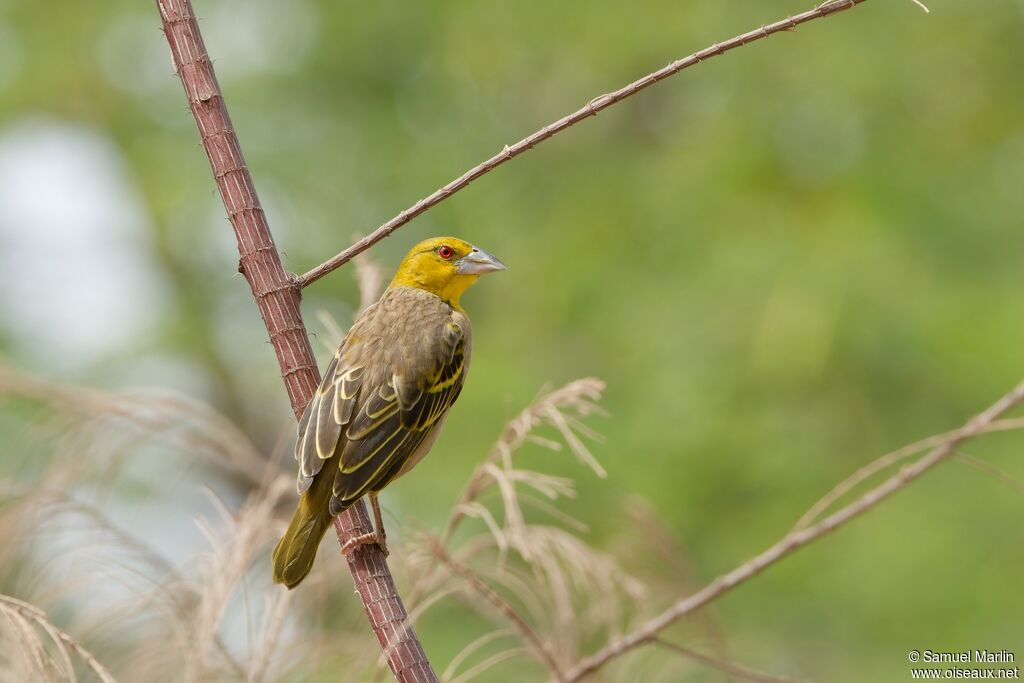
(649, 632)
(591, 108)
(278, 298)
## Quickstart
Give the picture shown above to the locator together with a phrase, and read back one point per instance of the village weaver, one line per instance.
(384, 397)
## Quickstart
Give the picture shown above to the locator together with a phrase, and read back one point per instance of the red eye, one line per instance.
(445, 252)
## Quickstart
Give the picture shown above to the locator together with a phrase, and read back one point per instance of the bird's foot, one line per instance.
(376, 537)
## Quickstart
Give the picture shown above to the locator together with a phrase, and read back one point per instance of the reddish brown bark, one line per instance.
(278, 296)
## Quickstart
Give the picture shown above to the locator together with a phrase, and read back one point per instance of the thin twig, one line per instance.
(278, 298)
(161, 573)
(731, 668)
(673, 554)
(796, 539)
(591, 108)
(274, 621)
(885, 461)
(471, 649)
(494, 659)
(580, 395)
(991, 470)
(61, 638)
(537, 643)
(371, 279)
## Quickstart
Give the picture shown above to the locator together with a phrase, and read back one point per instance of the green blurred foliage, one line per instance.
(784, 262)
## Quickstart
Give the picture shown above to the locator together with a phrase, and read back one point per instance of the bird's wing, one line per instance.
(394, 417)
(326, 414)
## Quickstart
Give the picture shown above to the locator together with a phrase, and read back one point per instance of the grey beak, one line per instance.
(478, 262)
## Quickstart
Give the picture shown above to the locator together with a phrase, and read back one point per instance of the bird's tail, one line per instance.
(295, 552)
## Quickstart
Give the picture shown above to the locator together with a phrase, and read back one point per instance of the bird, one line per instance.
(384, 397)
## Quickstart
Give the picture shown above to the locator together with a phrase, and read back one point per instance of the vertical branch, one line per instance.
(278, 297)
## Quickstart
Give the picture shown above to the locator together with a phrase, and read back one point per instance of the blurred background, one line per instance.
(784, 263)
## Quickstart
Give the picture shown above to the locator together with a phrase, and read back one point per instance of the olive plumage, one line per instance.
(385, 395)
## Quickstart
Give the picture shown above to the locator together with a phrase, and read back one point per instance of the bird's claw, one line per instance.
(377, 538)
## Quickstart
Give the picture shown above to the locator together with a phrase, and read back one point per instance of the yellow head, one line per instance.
(445, 266)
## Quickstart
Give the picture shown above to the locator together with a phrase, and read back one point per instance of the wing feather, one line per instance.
(327, 428)
(347, 389)
(379, 402)
(395, 420)
(328, 411)
(376, 472)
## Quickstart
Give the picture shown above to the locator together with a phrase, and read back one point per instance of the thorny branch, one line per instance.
(591, 108)
(797, 538)
(278, 298)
